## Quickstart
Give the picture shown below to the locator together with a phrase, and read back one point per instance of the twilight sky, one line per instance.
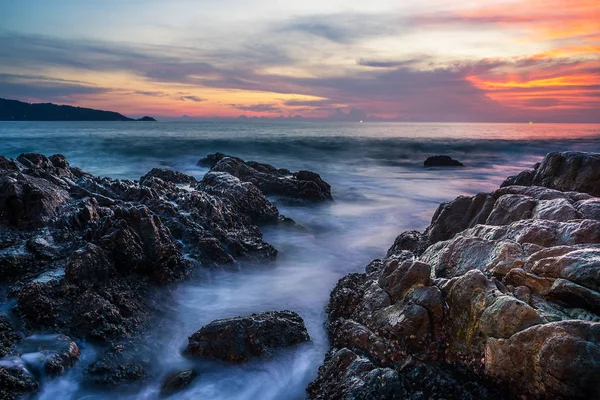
(426, 60)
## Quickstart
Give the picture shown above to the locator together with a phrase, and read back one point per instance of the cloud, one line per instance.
(259, 108)
(386, 63)
(47, 91)
(345, 28)
(192, 98)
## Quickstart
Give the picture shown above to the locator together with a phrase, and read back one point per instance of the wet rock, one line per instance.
(412, 241)
(239, 339)
(345, 375)
(442, 161)
(169, 175)
(570, 171)
(50, 354)
(506, 287)
(524, 178)
(26, 201)
(90, 265)
(244, 195)
(302, 185)
(117, 367)
(139, 242)
(16, 382)
(558, 360)
(177, 381)
(8, 336)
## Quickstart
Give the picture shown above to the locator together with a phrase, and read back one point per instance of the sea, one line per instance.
(380, 187)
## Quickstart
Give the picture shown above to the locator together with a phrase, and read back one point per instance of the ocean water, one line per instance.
(380, 189)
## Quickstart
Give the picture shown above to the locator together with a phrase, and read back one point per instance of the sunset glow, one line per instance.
(500, 60)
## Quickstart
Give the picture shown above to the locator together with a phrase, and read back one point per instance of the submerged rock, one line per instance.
(301, 185)
(442, 161)
(177, 381)
(239, 339)
(502, 288)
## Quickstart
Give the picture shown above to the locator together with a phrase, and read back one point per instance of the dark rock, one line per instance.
(239, 339)
(302, 185)
(118, 366)
(570, 171)
(8, 336)
(442, 161)
(412, 241)
(169, 176)
(51, 354)
(26, 201)
(244, 195)
(16, 382)
(177, 381)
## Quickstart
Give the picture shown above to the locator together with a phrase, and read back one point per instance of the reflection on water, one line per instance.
(380, 187)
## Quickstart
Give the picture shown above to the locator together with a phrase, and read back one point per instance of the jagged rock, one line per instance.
(118, 366)
(503, 286)
(8, 336)
(51, 354)
(177, 381)
(16, 382)
(239, 339)
(302, 185)
(442, 161)
(412, 241)
(168, 175)
(345, 375)
(555, 360)
(570, 171)
(244, 195)
(27, 201)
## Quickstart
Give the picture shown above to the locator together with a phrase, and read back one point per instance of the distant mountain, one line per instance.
(14, 110)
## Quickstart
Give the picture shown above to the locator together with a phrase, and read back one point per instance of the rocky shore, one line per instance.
(498, 298)
(85, 258)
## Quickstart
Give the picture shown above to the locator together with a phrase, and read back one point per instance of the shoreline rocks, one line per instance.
(92, 258)
(501, 290)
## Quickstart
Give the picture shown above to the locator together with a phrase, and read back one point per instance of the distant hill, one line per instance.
(14, 110)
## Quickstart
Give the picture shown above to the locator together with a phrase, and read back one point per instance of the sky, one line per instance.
(425, 60)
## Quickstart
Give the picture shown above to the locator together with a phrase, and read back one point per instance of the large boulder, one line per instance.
(239, 339)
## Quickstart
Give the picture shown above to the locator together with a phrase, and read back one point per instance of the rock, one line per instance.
(442, 161)
(302, 185)
(412, 241)
(90, 264)
(169, 175)
(345, 375)
(558, 360)
(503, 286)
(50, 354)
(244, 195)
(8, 336)
(570, 171)
(16, 382)
(118, 366)
(239, 339)
(26, 201)
(177, 381)
(524, 178)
